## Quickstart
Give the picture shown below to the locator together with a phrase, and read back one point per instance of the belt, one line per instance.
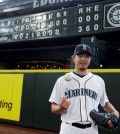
(83, 126)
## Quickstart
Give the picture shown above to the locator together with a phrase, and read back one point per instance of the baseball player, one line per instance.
(77, 93)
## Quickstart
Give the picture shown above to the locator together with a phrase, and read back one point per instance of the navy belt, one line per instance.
(83, 126)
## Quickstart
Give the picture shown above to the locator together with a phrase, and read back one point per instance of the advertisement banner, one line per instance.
(10, 96)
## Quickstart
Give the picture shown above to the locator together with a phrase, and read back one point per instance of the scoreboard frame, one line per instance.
(66, 22)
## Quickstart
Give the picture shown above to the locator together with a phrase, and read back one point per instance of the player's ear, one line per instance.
(90, 58)
(73, 58)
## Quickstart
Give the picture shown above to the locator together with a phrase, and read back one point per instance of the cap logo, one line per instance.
(84, 47)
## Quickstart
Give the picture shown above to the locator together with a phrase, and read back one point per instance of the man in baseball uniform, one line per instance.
(77, 93)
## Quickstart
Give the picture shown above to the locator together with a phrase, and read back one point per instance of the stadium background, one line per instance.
(39, 49)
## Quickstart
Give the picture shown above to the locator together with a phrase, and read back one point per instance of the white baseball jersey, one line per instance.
(85, 94)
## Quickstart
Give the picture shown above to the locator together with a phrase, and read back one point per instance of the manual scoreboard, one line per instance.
(66, 22)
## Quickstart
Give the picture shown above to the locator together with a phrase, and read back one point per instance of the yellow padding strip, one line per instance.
(60, 71)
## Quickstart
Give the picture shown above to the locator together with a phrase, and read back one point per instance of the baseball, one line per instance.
(67, 77)
(101, 65)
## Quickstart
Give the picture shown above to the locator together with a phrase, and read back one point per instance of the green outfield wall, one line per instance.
(24, 96)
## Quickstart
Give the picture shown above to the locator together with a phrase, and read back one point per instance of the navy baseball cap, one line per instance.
(82, 48)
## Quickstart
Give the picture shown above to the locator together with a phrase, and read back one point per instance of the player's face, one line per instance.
(82, 61)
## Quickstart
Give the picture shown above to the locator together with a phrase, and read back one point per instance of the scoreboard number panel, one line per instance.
(88, 19)
(72, 21)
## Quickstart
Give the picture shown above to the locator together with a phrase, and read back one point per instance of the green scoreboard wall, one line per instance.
(37, 85)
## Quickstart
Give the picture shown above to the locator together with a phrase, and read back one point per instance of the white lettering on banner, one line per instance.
(40, 3)
(35, 3)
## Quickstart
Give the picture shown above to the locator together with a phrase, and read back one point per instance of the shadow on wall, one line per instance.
(4, 66)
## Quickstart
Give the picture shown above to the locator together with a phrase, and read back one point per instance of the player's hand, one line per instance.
(110, 124)
(116, 113)
(64, 104)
